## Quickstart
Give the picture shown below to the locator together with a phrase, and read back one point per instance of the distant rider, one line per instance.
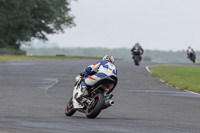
(189, 51)
(102, 68)
(137, 48)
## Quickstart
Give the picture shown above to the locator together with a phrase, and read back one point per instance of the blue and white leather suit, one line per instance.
(103, 68)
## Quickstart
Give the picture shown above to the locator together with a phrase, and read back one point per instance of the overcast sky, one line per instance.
(156, 24)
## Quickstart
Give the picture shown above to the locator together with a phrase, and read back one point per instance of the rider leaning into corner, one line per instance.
(190, 50)
(137, 46)
(102, 68)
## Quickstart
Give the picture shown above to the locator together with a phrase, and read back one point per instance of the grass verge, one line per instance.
(183, 77)
(15, 57)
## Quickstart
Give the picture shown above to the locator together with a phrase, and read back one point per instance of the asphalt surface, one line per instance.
(33, 96)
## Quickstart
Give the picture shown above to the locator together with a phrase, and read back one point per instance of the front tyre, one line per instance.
(137, 61)
(69, 111)
(193, 59)
(96, 107)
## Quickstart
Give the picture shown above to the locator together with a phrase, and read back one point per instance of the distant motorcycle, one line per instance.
(191, 56)
(100, 97)
(137, 56)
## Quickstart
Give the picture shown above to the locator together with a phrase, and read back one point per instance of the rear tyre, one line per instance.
(96, 107)
(69, 111)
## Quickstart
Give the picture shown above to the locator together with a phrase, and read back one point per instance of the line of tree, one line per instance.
(23, 20)
(121, 53)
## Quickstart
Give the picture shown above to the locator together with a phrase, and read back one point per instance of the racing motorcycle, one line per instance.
(137, 56)
(100, 97)
(191, 56)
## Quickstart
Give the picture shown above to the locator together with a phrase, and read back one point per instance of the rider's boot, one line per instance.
(84, 89)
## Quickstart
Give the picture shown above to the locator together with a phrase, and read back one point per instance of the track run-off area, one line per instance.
(34, 93)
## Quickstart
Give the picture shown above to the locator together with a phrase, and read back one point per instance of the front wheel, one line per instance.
(137, 61)
(193, 59)
(69, 111)
(96, 106)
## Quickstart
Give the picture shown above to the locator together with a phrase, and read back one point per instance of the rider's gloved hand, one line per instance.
(83, 74)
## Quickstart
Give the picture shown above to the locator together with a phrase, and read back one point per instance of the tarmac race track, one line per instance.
(33, 96)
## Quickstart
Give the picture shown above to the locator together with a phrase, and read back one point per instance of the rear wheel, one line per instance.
(69, 111)
(96, 106)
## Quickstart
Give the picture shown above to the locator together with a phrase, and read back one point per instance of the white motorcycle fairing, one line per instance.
(77, 93)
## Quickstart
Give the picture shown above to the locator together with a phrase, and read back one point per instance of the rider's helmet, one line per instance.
(137, 44)
(109, 58)
(189, 47)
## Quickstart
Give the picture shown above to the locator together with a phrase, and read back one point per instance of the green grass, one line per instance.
(183, 77)
(11, 57)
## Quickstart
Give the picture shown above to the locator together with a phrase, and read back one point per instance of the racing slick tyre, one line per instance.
(69, 111)
(137, 61)
(98, 102)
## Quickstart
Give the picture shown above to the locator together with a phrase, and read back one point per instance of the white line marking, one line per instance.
(147, 68)
(192, 92)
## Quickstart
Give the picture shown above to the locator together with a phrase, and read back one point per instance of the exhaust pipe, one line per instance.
(108, 103)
